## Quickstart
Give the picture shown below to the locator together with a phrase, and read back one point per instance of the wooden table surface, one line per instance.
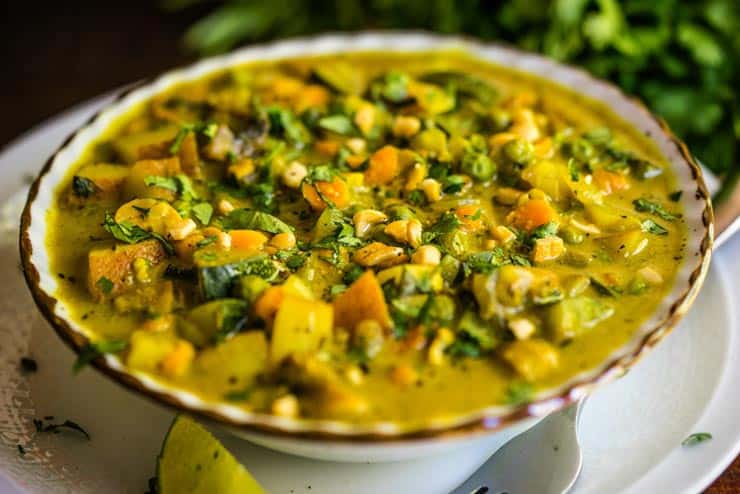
(57, 54)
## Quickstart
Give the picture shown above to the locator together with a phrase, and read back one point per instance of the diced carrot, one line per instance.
(247, 239)
(335, 191)
(533, 213)
(177, 362)
(327, 148)
(267, 305)
(312, 96)
(362, 300)
(471, 217)
(383, 166)
(354, 161)
(609, 182)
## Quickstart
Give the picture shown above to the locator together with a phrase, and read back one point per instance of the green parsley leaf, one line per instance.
(573, 170)
(203, 212)
(696, 438)
(132, 234)
(646, 206)
(168, 183)
(339, 124)
(206, 129)
(83, 187)
(447, 223)
(519, 392)
(547, 230)
(105, 285)
(486, 261)
(249, 219)
(650, 226)
(91, 351)
(206, 241)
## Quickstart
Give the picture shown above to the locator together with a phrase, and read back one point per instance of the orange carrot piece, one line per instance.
(609, 182)
(383, 166)
(362, 300)
(327, 148)
(471, 217)
(335, 191)
(533, 213)
(267, 305)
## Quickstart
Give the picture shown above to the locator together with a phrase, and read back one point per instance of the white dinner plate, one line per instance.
(632, 429)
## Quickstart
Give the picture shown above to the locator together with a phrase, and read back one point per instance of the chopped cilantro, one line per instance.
(105, 285)
(83, 187)
(646, 206)
(91, 351)
(339, 124)
(696, 438)
(650, 226)
(254, 220)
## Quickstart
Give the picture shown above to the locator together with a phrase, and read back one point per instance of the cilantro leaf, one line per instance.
(91, 351)
(650, 226)
(83, 187)
(447, 223)
(250, 219)
(130, 233)
(646, 206)
(105, 285)
(339, 124)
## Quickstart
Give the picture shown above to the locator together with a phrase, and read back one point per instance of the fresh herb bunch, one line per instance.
(681, 57)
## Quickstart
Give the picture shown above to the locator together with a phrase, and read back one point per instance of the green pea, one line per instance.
(519, 151)
(449, 267)
(572, 236)
(478, 165)
(500, 118)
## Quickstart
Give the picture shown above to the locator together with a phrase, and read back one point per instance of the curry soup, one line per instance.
(367, 237)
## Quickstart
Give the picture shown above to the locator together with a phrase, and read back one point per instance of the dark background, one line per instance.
(58, 54)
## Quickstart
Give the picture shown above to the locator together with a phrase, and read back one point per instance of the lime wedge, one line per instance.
(193, 461)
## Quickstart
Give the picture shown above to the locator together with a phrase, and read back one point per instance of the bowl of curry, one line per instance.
(376, 237)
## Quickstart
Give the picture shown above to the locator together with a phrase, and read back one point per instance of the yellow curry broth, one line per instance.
(248, 289)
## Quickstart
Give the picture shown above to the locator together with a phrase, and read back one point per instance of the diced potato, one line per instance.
(116, 265)
(128, 146)
(362, 300)
(237, 360)
(136, 187)
(108, 179)
(532, 359)
(300, 327)
(628, 244)
(574, 316)
(549, 177)
(206, 321)
(547, 249)
(610, 219)
(148, 348)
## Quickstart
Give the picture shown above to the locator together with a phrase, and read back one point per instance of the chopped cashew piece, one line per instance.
(224, 206)
(406, 126)
(417, 174)
(294, 174)
(548, 249)
(380, 254)
(432, 189)
(405, 231)
(427, 254)
(366, 219)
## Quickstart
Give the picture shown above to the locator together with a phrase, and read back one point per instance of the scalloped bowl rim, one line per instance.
(697, 211)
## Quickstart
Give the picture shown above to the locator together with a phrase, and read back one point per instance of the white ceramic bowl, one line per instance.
(343, 441)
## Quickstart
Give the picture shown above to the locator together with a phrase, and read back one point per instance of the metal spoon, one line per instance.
(554, 441)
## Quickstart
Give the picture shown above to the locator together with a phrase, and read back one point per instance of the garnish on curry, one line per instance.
(366, 237)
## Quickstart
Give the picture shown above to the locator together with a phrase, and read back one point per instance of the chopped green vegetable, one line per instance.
(91, 351)
(696, 438)
(248, 219)
(83, 187)
(105, 285)
(132, 234)
(646, 206)
(650, 226)
(339, 124)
